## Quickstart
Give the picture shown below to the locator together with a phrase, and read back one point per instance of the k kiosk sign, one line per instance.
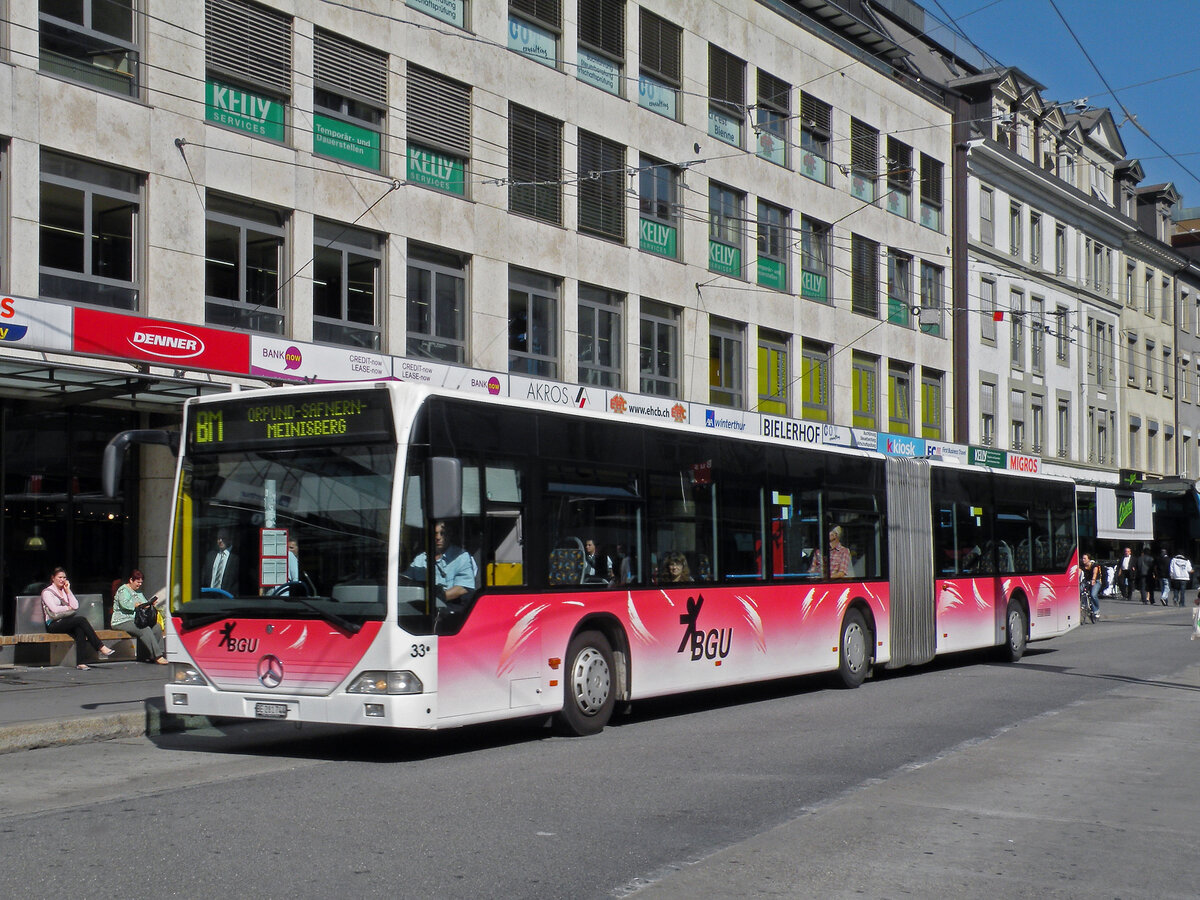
(100, 333)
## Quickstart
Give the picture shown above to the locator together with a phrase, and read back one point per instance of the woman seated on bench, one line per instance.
(61, 609)
(126, 600)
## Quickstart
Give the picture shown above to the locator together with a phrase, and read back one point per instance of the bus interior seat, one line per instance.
(567, 562)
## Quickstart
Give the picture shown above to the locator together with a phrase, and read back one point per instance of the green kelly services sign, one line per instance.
(244, 111)
(436, 170)
(985, 456)
(772, 273)
(657, 238)
(349, 143)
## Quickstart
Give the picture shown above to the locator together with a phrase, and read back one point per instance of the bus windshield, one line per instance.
(284, 532)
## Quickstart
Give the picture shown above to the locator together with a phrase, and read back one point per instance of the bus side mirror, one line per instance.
(444, 480)
(114, 453)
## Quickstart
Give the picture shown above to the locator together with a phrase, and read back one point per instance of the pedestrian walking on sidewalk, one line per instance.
(1162, 576)
(1181, 577)
(1145, 574)
(126, 601)
(61, 609)
(1126, 574)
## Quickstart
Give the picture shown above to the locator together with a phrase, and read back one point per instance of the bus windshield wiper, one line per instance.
(329, 616)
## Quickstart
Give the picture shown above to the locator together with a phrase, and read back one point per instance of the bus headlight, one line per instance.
(386, 683)
(182, 673)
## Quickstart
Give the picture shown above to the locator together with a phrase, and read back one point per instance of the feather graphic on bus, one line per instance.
(300, 640)
(808, 604)
(949, 597)
(640, 631)
(754, 620)
(522, 630)
(980, 602)
(842, 602)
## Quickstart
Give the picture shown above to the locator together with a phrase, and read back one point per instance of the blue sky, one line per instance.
(1145, 49)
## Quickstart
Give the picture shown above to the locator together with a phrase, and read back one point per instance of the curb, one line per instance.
(150, 721)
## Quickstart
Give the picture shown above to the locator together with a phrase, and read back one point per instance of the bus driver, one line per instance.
(454, 569)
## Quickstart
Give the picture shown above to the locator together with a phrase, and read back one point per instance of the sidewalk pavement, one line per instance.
(52, 705)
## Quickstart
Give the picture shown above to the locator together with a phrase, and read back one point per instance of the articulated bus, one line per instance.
(597, 560)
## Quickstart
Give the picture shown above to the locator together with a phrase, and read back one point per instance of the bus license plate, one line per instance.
(271, 710)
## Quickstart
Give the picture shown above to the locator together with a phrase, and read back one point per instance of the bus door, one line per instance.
(910, 541)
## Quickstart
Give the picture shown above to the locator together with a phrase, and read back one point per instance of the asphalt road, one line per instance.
(967, 777)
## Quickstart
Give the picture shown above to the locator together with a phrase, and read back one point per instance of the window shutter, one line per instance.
(660, 47)
(351, 69)
(439, 112)
(535, 164)
(816, 114)
(545, 12)
(249, 43)
(774, 92)
(602, 25)
(602, 197)
(899, 163)
(726, 79)
(931, 181)
(864, 149)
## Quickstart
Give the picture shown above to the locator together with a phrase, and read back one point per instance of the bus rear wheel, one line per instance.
(589, 694)
(1016, 632)
(854, 658)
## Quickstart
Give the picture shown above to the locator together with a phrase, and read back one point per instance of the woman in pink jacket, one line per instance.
(62, 616)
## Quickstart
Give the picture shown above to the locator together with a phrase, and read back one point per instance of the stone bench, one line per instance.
(32, 646)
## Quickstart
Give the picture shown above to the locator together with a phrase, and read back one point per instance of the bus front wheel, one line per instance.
(854, 658)
(1016, 632)
(589, 692)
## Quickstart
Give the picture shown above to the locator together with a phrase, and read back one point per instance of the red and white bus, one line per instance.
(608, 559)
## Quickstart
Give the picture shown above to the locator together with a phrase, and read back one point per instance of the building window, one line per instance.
(725, 219)
(601, 336)
(773, 246)
(1014, 229)
(1130, 280)
(899, 288)
(659, 349)
(658, 203)
(601, 187)
(987, 414)
(931, 404)
(1035, 239)
(1062, 339)
(814, 381)
(533, 29)
(864, 276)
(602, 44)
(532, 323)
(1167, 304)
(350, 100)
(864, 160)
(660, 51)
(1150, 367)
(92, 42)
(815, 134)
(1060, 250)
(899, 178)
(453, 12)
(437, 304)
(726, 95)
(1185, 386)
(773, 374)
(987, 216)
(243, 256)
(726, 363)
(346, 266)
(987, 310)
(931, 299)
(439, 131)
(1016, 304)
(1016, 418)
(931, 193)
(89, 230)
(814, 260)
(1167, 373)
(1037, 424)
(864, 390)
(1148, 293)
(1064, 429)
(1037, 335)
(534, 164)
(772, 115)
(899, 398)
(248, 54)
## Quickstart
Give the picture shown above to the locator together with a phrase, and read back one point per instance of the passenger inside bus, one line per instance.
(455, 574)
(839, 556)
(675, 568)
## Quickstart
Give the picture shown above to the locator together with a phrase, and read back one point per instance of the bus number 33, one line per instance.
(420, 649)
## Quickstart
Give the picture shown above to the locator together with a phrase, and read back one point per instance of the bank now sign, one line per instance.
(114, 335)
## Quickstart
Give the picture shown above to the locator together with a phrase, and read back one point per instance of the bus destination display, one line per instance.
(337, 417)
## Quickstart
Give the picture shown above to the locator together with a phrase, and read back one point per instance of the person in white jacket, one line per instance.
(1181, 577)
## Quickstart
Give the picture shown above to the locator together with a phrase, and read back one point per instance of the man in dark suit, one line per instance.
(221, 567)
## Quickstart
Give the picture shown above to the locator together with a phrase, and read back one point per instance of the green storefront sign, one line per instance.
(655, 237)
(813, 286)
(724, 258)
(348, 143)
(985, 456)
(772, 273)
(436, 170)
(244, 111)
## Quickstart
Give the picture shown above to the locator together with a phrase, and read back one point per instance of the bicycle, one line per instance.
(1086, 613)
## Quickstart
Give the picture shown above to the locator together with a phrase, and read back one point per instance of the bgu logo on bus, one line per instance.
(713, 644)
